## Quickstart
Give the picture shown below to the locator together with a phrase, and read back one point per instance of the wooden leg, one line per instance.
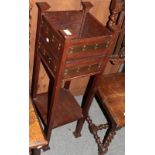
(52, 100)
(45, 148)
(86, 103)
(35, 152)
(42, 7)
(102, 145)
(35, 77)
(48, 133)
(94, 129)
(67, 84)
(77, 132)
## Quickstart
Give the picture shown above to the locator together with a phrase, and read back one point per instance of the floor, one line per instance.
(63, 142)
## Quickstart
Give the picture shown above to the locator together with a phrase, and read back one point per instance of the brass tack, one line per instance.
(99, 65)
(89, 67)
(71, 52)
(83, 49)
(78, 69)
(107, 45)
(66, 71)
(96, 46)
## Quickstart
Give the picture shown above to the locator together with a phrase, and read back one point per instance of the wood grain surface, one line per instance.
(112, 93)
(36, 137)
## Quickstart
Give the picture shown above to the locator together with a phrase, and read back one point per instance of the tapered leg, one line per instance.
(67, 84)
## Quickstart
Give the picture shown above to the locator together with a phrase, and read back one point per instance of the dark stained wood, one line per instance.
(36, 67)
(100, 11)
(118, 43)
(67, 108)
(86, 7)
(112, 93)
(67, 84)
(78, 85)
(58, 33)
(91, 91)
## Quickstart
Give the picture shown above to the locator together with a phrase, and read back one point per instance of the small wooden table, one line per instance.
(36, 137)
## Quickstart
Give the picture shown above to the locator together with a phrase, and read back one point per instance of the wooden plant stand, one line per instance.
(69, 44)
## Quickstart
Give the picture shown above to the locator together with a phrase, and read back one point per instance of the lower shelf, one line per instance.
(67, 108)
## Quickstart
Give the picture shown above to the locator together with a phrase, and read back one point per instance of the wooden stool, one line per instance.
(69, 44)
(110, 94)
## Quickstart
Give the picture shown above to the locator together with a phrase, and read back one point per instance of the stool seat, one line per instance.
(111, 91)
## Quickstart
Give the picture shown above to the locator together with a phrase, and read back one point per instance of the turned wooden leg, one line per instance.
(102, 146)
(94, 129)
(106, 141)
